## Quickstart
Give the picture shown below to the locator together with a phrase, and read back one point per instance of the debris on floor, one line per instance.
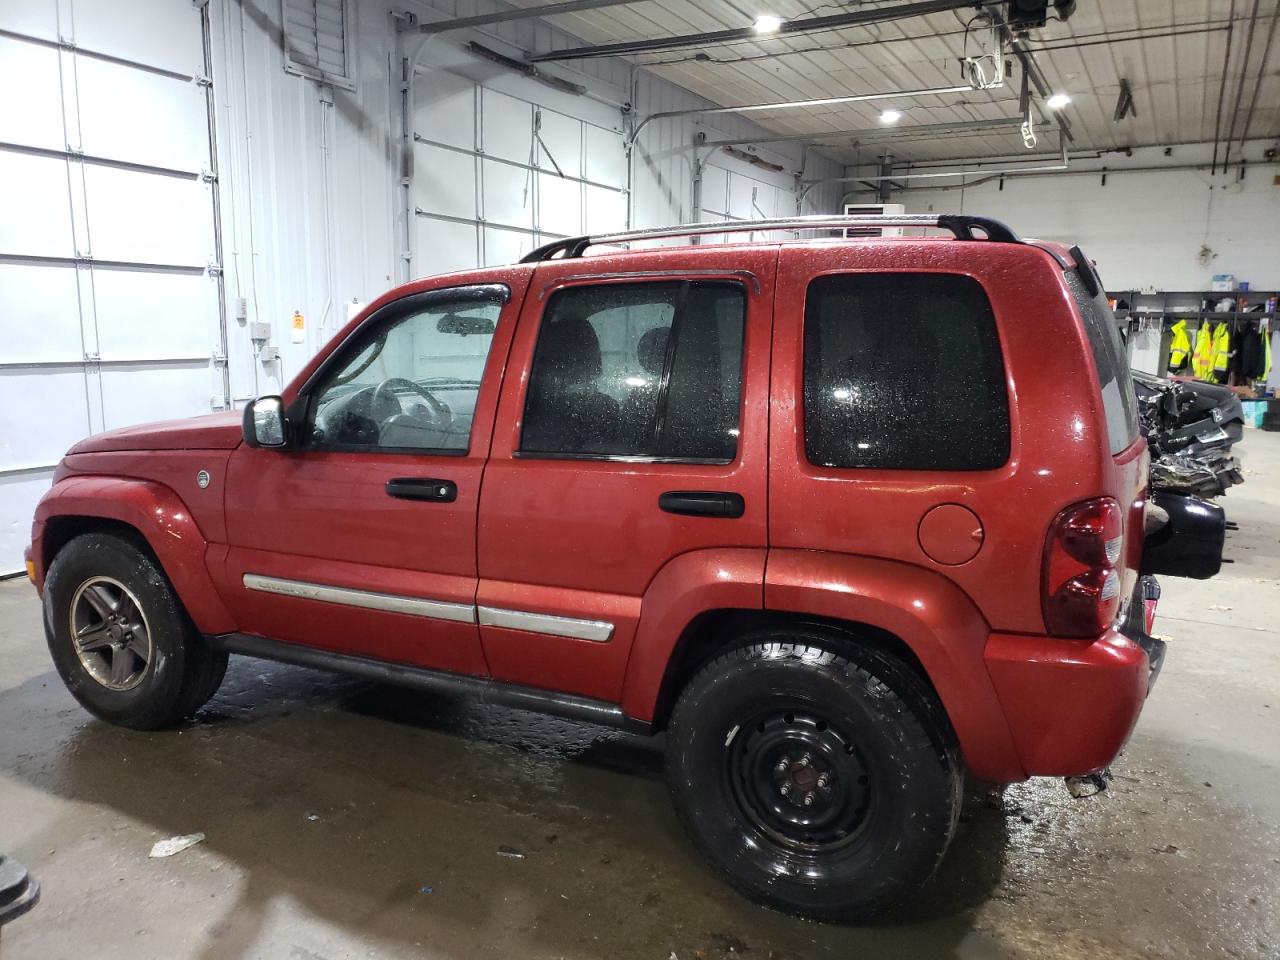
(512, 852)
(167, 848)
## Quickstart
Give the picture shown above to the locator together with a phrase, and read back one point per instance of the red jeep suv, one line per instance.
(845, 518)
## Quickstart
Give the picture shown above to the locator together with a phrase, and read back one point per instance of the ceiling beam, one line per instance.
(521, 13)
(834, 21)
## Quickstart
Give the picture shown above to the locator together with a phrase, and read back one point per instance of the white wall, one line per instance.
(312, 210)
(1143, 229)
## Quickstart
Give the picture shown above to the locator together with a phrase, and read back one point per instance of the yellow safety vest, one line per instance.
(1221, 352)
(1202, 359)
(1266, 353)
(1179, 348)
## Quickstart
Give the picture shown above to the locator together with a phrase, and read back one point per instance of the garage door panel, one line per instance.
(562, 137)
(443, 246)
(35, 220)
(19, 493)
(42, 413)
(606, 157)
(715, 190)
(508, 194)
(748, 197)
(33, 119)
(507, 126)
(445, 181)
(445, 109)
(147, 218)
(172, 39)
(166, 124)
(40, 309)
(505, 246)
(559, 205)
(144, 315)
(139, 393)
(606, 210)
(35, 18)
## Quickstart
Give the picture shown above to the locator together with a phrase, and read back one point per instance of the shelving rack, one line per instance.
(1172, 306)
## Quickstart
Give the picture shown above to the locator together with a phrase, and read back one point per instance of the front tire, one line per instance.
(819, 779)
(119, 637)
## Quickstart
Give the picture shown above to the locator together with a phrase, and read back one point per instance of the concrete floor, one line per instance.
(345, 820)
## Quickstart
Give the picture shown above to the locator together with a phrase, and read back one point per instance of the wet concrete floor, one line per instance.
(345, 820)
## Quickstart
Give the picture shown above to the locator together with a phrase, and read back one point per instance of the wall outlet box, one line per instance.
(260, 330)
(269, 354)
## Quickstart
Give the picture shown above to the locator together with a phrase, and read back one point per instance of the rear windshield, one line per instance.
(1118, 400)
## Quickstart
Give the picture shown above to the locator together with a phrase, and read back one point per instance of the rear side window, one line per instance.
(648, 370)
(1119, 403)
(903, 371)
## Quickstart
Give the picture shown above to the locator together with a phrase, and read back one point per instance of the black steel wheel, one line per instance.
(817, 776)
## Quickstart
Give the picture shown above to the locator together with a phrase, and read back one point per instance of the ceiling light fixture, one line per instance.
(767, 23)
(1058, 101)
(890, 116)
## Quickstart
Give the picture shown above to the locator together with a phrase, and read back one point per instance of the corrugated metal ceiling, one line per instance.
(1172, 52)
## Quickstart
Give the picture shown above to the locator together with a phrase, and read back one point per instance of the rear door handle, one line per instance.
(423, 488)
(702, 503)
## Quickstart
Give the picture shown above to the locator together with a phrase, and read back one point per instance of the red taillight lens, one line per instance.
(1081, 582)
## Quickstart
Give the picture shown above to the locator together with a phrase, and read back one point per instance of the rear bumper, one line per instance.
(1071, 704)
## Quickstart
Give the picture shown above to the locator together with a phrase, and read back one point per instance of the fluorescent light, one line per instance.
(767, 23)
(890, 116)
(1058, 101)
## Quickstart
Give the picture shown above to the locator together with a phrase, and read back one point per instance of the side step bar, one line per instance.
(567, 705)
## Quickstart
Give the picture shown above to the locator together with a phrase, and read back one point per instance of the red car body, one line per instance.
(945, 566)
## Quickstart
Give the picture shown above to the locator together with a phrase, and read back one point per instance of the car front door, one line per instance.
(635, 434)
(360, 537)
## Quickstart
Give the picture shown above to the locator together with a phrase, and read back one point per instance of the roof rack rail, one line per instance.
(962, 227)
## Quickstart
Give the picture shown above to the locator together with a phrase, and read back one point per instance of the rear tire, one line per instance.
(820, 779)
(120, 639)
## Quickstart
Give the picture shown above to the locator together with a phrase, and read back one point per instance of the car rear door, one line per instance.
(361, 538)
(633, 430)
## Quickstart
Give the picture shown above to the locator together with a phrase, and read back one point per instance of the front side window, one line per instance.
(903, 371)
(410, 383)
(638, 369)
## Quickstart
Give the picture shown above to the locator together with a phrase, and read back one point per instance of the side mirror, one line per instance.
(264, 423)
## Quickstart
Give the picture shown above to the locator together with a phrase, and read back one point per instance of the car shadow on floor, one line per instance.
(408, 819)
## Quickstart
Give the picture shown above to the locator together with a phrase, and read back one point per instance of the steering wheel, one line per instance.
(384, 399)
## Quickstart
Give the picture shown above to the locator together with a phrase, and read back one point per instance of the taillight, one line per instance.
(1081, 591)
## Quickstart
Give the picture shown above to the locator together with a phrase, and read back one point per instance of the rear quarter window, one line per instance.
(903, 371)
(1119, 402)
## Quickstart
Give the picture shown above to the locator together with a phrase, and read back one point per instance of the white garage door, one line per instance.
(733, 195)
(109, 285)
(495, 174)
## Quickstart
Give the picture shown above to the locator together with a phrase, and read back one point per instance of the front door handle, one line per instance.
(423, 488)
(702, 503)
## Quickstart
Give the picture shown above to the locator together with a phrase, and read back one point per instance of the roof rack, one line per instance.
(962, 227)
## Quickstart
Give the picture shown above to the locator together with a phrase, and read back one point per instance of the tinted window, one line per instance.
(409, 383)
(1119, 403)
(903, 371)
(645, 369)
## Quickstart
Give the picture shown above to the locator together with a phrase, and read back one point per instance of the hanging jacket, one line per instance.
(1249, 361)
(1180, 348)
(1202, 359)
(1220, 352)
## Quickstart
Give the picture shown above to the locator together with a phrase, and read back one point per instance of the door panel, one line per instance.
(322, 553)
(583, 538)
